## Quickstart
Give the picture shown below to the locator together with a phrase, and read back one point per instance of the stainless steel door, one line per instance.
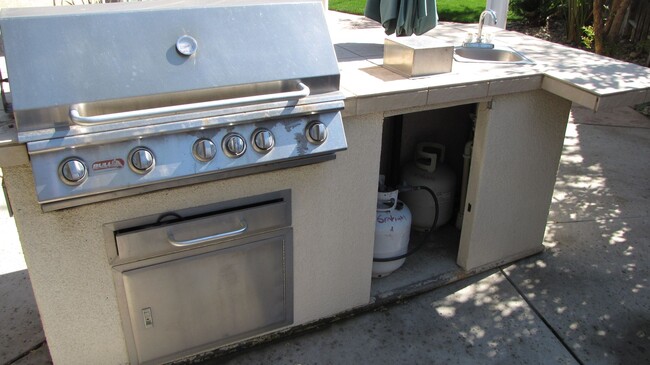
(188, 303)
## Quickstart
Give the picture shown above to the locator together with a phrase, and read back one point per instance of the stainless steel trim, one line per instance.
(196, 241)
(303, 91)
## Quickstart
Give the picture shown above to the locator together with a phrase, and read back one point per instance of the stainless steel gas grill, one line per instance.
(120, 99)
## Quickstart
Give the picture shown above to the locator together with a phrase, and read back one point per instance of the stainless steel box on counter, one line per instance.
(417, 56)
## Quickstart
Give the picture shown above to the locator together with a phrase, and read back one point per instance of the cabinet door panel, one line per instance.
(517, 149)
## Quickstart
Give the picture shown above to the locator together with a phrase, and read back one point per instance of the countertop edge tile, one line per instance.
(382, 103)
(448, 94)
(621, 99)
(350, 107)
(570, 92)
(515, 85)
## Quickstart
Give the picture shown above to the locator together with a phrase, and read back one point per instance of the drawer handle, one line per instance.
(196, 241)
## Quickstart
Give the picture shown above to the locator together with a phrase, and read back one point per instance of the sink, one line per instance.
(490, 55)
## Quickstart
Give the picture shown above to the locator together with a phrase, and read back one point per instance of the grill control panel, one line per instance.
(94, 169)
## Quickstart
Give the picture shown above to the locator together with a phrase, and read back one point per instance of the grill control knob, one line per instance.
(204, 150)
(73, 171)
(263, 140)
(316, 132)
(234, 145)
(141, 160)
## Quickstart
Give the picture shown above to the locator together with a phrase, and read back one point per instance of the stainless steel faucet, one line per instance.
(481, 21)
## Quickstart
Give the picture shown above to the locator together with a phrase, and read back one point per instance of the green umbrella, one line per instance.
(403, 17)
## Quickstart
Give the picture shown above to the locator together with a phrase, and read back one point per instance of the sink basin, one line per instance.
(490, 55)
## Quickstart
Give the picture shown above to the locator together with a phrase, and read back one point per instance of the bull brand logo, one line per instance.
(116, 163)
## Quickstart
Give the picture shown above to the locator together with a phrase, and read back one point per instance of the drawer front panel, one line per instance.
(196, 302)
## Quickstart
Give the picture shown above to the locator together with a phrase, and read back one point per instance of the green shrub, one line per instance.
(588, 36)
(534, 12)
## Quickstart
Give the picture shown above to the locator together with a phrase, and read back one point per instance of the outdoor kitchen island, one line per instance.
(522, 111)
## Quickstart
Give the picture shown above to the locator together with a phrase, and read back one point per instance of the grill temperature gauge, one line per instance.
(186, 45)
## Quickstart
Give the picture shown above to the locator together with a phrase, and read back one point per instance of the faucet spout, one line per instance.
(481, 22)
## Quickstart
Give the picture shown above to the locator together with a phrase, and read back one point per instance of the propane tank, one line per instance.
(392, 232)
(428, 170)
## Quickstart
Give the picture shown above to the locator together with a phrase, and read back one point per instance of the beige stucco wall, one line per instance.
(333, 221)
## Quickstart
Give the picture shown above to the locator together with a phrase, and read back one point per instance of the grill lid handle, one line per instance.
(303, 91)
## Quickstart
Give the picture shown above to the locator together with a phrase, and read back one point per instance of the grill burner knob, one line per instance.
(263, 140)
(234, 145)
(73, 171)
(316, 132)
(141, 160)
(204, 150)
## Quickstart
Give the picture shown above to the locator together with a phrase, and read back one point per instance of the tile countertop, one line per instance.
(594, 81)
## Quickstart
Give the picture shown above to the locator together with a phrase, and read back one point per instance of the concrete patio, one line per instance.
(584, 300)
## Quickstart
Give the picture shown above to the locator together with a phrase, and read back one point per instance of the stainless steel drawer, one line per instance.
(211, 229)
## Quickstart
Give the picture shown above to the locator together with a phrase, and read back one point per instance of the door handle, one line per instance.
(195, 241)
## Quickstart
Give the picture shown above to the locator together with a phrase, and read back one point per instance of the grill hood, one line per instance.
(97, 59)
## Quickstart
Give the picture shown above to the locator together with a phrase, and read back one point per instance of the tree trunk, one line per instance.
(610, 17)
(613, 31)
(598, 27)
(571, 22)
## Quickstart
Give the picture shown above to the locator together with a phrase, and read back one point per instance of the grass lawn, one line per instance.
(459, 11)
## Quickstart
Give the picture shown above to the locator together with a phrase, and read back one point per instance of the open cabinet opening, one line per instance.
(430, 148)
